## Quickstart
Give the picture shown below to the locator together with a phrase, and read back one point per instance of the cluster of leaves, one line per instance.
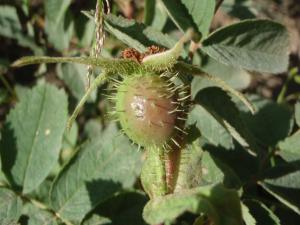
(247, 165)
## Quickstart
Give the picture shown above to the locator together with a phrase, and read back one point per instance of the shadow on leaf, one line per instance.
(122, 208)
(8, 152)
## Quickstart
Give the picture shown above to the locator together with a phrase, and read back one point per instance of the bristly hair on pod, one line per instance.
(151, 109)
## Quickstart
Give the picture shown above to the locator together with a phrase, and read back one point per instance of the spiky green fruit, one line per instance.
(148, 110)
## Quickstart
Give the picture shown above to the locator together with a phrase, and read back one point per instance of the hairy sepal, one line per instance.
(116, 66)
(166, 60)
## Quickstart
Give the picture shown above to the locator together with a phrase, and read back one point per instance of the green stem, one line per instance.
(291, 75)
(265, 159)
(7, 85)
(117, 66)
(100, 79)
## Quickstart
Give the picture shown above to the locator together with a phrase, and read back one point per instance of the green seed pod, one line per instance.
(148, 110)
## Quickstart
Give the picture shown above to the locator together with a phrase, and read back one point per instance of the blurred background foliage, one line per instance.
(58, 28)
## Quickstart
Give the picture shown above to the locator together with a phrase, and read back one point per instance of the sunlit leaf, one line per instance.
(257, 45)
(104, 166)
(33, 136)
(220, 204)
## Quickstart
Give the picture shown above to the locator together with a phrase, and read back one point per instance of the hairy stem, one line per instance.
(98, 81)
(153, 176)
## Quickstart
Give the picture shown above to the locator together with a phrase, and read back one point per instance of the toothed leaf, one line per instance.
(32, 137)
(136, 35)
(104, 166)
(220, 105)
(191, 14)
(257, 45)
(196, 71)
(221, 205)
(10, 206)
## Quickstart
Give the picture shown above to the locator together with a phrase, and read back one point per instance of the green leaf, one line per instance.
(125, 208)
(21, 90)
(235, 173)
(211, 173)
(262, 214)
(55, 10)
(104, 166)
(216, 170)
(38, 216)
(42, 192)
(220, 105)
(286, 189)
(149, 11)
(76, 80)
(10, 27)
(201, 168)
(93, 128)
(196, 71)
(257, 45)
(262, 124)
(209, 127)
(248, 218)
(59, 23)
(95, 219)
(3, 95)
(33, 135)
(297, 113)
(290, 147)
(160, 17)
(10, 206)
(191, 14)
(60, 34)
(84, 29)
(235, 77)
(136, 35)
(220, 204)
(243, 9)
